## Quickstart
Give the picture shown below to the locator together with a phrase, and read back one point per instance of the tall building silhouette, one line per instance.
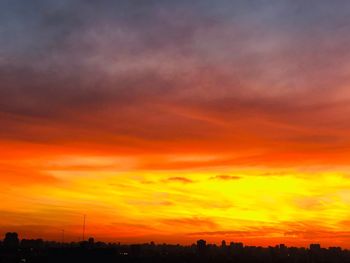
(11, 240)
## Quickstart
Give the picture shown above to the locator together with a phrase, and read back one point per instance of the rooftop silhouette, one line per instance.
(12, 249)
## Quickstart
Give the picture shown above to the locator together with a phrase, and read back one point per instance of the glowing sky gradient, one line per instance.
(176, 120)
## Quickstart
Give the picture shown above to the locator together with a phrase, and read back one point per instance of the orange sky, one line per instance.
(176, 121)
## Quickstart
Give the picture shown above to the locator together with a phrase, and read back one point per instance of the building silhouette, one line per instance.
(40, 251)
(11, 240)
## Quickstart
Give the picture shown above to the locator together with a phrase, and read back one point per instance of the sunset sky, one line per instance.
(176, 120)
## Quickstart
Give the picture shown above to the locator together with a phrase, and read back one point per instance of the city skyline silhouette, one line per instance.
(13, 249)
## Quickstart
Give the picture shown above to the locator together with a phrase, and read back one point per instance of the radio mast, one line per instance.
(84, 228)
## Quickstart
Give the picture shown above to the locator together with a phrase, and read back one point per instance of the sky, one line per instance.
(170, 121)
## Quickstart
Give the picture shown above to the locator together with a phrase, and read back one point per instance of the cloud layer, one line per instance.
(207, 112)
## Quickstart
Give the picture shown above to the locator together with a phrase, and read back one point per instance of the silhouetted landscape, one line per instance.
(12, 249)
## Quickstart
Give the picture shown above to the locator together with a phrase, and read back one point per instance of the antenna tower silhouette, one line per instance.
(84, 228)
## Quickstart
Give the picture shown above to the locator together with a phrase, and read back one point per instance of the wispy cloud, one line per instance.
(179, 179)
(226, 177)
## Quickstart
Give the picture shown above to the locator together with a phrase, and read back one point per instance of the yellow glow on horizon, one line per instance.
(131, 204)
